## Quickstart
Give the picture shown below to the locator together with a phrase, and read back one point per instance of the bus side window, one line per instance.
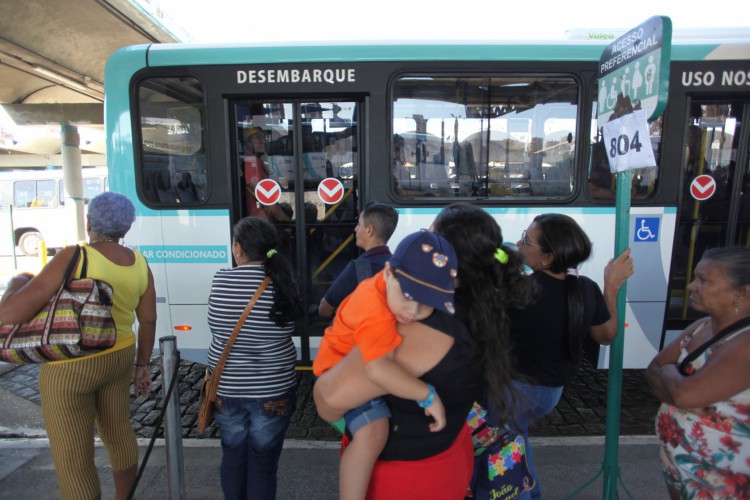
(496, 136)
(173, 166)
(601, 181)
(35, 194)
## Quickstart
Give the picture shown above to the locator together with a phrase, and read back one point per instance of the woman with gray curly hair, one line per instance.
(77, 394)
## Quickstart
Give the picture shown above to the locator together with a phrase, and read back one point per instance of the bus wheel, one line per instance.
(29, 243)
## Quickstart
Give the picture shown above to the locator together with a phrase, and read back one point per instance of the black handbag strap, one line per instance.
(79, 251)
(84, 264)
(736, 326)
(72, 264)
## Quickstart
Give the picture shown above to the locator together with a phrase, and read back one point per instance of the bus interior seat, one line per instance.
(466, 171)
(554, 182)
(149, 186)
(200, 184)
(185, 188)
(553, 176)
(433, 173)
(538, 181)
(566, 175)
(163, 187)
(463, 157)
(499, 182)
(433, 178)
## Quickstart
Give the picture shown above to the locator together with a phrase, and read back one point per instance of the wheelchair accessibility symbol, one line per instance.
(646, 229)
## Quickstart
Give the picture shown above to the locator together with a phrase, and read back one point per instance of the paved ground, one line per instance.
(308, 470)
(581, 412)
(309, 462)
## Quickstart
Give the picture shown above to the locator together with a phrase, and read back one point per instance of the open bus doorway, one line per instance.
(714, 211)
(285, 152)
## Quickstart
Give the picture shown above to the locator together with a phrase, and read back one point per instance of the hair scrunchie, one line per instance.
(501, 256)
(271, 253)
(510, 245)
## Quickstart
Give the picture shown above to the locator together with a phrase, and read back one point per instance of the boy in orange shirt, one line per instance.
(418, 279)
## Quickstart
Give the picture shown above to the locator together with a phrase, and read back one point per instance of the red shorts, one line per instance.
(445, 475)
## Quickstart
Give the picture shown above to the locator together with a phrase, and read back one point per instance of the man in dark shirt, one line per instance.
(376, 224)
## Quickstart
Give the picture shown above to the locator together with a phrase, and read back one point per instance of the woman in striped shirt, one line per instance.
(255, 398)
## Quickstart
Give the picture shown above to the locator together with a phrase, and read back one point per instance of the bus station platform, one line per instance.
(569, 443)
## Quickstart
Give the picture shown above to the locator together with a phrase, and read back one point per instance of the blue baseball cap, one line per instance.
(426, 266)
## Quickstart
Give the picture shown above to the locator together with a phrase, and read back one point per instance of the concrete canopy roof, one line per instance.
(52, 58)
(54, 51)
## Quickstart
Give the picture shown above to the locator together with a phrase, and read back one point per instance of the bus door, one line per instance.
(298, 166)
(714, 210)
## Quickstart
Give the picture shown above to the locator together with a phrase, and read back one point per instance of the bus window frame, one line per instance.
(136, 83)
(31, 205)
(580, 77)
(657, 182)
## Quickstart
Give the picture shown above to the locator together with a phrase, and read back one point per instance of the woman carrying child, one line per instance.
(456, 360)
(416, 281)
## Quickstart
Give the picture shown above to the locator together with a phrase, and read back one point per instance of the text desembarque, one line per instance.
(317, 75)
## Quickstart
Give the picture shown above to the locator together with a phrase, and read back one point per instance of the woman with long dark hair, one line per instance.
(459, 354)
(255, 398)
(548, 334)
(490, 282)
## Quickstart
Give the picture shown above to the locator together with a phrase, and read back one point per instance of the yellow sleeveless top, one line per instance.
(129, 284)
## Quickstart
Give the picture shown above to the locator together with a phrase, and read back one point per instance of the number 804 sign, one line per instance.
(628, 143)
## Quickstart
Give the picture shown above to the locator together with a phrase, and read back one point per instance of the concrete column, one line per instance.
(73, 181)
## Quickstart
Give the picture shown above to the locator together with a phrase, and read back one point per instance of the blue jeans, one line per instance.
(539, 401)
(252, 436)
(368, 412)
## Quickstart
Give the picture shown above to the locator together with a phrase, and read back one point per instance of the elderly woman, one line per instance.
(703, 381)
(77, 394)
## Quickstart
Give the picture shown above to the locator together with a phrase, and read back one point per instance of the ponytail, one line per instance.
(575, 333)
(259, 240)
(561, 236)
(287, 304)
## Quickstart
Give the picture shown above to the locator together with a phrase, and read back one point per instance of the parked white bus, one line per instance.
(37, 198)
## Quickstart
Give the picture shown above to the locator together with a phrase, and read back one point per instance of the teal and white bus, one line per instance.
(202, 135)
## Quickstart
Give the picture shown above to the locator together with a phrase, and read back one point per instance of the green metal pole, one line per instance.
(614, 392)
